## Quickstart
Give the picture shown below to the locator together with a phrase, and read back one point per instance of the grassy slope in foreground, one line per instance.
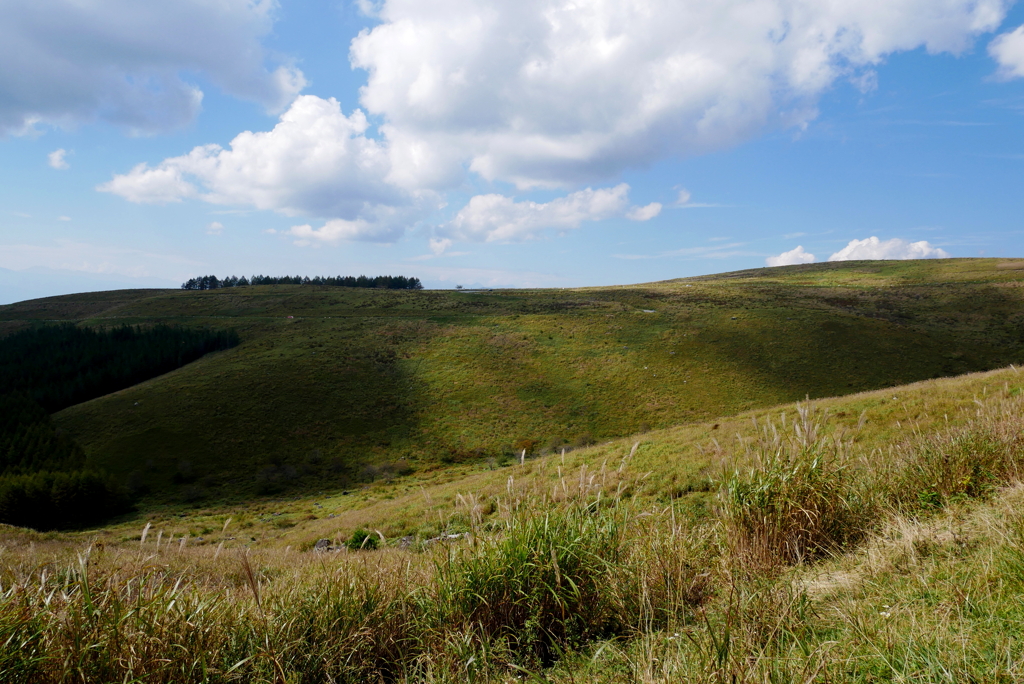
(932, 597)
(329, 380)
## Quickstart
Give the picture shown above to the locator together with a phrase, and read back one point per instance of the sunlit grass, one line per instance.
(356, 379)
(589, 567)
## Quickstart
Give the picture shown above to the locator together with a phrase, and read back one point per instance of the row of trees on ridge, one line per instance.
(212, 282)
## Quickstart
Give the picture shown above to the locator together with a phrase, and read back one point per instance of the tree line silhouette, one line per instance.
(45, 481)
(212, 282)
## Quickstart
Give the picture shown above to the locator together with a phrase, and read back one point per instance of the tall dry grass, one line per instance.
(547, 579)
(799, 497)
(557, 565)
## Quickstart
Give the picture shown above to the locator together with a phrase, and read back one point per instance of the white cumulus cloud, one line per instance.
(497, 218)
(645, 213)
(1008, 51)
(64, 62)
(316, 161)
(379, 223)
(873, 248)
(144, 185)
(57, 160)
(215, 228)
(537, 93)
(439, 245)
(794, 256)
(563, 92)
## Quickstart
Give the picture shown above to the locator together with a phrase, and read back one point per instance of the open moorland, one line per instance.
(804, 474)
(332, 387)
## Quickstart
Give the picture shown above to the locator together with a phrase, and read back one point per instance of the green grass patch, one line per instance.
(328, 381)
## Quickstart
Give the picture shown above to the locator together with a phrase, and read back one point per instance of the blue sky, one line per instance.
(535, 143)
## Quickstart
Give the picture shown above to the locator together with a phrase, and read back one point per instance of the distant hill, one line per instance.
(335, 385)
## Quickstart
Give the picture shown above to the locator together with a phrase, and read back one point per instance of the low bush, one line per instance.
(362, 540)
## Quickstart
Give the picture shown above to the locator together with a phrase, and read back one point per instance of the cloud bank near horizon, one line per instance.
(869, 249)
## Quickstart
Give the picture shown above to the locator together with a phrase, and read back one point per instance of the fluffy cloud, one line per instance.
(57, 161)
(144, 185)
(539, 93)
(562, 92)
(66, 61)
(645, 213)
(439, 245)
(497, 218)
(790, 258)
(316, 161)
(873, 248)
(377, 223)
(1008, 51)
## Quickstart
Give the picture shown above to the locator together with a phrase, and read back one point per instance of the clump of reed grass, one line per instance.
(545, 584)
(797, 500)
(966, 462)
(673, 570)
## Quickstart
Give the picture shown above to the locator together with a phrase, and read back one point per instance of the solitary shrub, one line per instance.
(362, 540)
(525, 444)
(584, 440)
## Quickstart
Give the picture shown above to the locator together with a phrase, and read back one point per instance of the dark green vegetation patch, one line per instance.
(62, 365)
(28, 440)
(212, 282)
(45, 481)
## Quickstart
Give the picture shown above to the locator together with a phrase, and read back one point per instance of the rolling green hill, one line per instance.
(331, 385)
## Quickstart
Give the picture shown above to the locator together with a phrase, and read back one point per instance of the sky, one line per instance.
(485, 143)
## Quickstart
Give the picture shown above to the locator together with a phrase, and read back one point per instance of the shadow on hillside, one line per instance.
(833, 344)
(335, 401)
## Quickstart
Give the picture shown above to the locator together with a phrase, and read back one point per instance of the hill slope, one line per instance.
(609, 564)
(331, 383)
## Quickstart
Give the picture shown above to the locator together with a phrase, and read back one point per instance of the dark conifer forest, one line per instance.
(44, 480)
(62, 365)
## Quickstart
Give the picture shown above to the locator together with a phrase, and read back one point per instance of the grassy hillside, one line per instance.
(680, 464)
(332, 386)
(617, 563)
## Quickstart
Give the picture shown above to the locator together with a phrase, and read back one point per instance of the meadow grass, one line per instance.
(823, 552)
(333, 387)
